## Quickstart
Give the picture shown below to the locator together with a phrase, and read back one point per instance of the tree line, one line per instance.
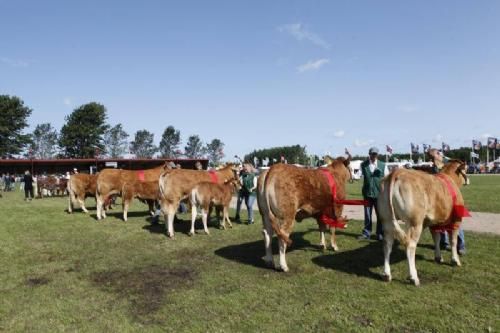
(86, 134)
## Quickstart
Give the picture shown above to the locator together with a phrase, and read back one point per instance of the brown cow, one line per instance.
(111, 181)
(79, 187)
(208, 194)
(420, 200)
(144, 191)
(286, 193)
(177, 184)
(52, 184)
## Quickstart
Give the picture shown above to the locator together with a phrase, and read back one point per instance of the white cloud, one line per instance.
(363, 143)
(408, 108)
(312, 65)
(300, 33)
(67, 101)
(437, 138)
(14, 62)
(339, 134)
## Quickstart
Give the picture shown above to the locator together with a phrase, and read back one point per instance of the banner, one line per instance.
(445, 147)
(476, 145)
(388, 149)
(414, 148)
(492, 143)
(473, 154)
(426, 148)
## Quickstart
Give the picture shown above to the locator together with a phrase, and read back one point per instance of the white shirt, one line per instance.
(374, 165)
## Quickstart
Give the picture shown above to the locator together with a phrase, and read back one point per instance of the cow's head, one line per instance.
(456, 170)
(341, 166)
(234, 182)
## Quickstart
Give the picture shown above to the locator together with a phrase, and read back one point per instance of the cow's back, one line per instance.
(179, 183)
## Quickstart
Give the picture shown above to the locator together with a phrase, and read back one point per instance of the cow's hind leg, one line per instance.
(322, 230)
(388, 243)
(193, 219)
(414, 233)
(282, 246)
(267, 231)
(204, 217)
(169, 211)
(226, 217)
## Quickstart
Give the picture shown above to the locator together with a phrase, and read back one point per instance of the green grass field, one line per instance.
(67, 273)
(482, 195)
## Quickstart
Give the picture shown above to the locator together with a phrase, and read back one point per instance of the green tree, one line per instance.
(143, 146)
(44, 141)
(83, 132)
(13, 116)
(293, 154)
(115, 141)
(215, 151)
(170, 141)
(194, 147)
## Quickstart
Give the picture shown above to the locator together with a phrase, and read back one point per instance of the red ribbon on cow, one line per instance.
(324, 218)
(213, 177)
(140, 175)
(458, 211)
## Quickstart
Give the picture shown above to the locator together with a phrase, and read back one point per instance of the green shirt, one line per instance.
(371, 181)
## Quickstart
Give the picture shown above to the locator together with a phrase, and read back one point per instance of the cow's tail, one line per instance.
(398, 231)
(272, 217)
(71, 195)
(161, 183)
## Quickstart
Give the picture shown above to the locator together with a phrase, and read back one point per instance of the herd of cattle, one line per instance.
(285, 194)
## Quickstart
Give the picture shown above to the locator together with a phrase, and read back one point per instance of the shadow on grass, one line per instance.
(251, 253)
(180, 225)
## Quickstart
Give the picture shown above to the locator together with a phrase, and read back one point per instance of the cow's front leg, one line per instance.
(454, 252)
(436, 236)
(126, 204)
(333, 239)
(322, 229)
(171, 208)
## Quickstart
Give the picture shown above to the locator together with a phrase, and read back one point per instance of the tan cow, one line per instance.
(79, 187)
(145, 191)
(111, 181)
(208, 194)
(286, 193)
(177, 184)
(420, 200)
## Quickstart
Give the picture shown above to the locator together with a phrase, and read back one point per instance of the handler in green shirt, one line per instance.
(373, 171)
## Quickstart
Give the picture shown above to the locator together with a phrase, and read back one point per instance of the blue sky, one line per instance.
(256, 74)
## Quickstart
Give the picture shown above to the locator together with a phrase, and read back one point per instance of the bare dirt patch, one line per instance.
(37, 281)
(146, 288)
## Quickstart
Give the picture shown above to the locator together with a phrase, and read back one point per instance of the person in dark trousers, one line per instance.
(373, 171)
(240, 198)
(28, 186)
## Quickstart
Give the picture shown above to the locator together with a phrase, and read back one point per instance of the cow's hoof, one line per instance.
(416, 282)
(269, 264)
(207, 232)
(282, 269)
(455, 263)
(386, 277)
(439, 260)
(335, 248)
(191, 233)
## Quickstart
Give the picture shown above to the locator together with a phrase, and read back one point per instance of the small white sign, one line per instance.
(111, 164)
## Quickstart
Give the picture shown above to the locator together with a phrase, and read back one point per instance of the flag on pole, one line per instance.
(426, 148)
(388, 149)
(492, 143)
(476, 145)
(473, 154)
(445, 147)
(414, 148)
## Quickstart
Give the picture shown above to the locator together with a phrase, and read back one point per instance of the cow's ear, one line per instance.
(347, 162)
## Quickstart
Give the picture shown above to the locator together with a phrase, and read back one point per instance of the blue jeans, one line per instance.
(367, 230)
(249, 201)
(445, 241)
(238, 205)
